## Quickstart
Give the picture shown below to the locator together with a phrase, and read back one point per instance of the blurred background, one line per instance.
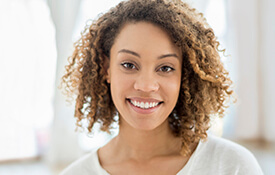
(37, 127)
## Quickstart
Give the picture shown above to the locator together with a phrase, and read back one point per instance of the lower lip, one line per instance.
(143, 111)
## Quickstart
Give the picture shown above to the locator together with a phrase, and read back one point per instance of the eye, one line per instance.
(166, 69)
(127, 65)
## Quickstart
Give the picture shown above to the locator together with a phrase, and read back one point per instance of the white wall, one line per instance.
(253, 23)
(267, 68)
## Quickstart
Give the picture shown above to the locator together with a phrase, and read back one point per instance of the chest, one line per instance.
(160, 167)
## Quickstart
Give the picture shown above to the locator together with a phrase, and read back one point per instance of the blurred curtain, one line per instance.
(252, 36)
(27, 75)
(63, 146)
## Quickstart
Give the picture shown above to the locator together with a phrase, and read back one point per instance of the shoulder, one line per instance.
(222, 146)
(227, 156)
(87, 164)
(228, 149)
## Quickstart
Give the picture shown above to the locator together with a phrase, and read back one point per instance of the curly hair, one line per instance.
(205, 84)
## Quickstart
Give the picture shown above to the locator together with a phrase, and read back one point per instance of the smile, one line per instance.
(144, 105)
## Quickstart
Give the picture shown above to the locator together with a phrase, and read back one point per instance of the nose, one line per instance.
(147, 83)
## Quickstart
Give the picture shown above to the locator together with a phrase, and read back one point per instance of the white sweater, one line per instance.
(216, 156)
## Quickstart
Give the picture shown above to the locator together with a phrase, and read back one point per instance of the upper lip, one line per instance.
(139, 99)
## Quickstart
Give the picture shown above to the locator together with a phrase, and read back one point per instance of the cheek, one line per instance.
(173, 83)
(171, 86)
(120, 84)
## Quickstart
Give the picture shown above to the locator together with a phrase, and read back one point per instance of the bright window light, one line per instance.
(28, 61)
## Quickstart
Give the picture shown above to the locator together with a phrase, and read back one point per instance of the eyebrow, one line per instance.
(137, 55)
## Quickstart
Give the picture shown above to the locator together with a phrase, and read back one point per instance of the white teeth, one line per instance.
(145, 105)
(142, 105)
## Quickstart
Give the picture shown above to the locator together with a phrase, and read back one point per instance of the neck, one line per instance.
(144, 145)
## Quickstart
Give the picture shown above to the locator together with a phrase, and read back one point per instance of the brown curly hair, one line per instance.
(205, 84)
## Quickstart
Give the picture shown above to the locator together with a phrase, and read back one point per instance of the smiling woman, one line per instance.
(144, 70)
(155, 64)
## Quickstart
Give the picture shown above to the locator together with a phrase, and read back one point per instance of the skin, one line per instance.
(144, 64)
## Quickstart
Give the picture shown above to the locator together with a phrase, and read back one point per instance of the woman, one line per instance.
(155, 64)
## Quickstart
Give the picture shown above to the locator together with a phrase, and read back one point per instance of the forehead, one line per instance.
(144, 36)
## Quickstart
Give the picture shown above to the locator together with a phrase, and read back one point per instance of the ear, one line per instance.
(106, 65)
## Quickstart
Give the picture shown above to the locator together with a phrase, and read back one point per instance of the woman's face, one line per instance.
(144, 75)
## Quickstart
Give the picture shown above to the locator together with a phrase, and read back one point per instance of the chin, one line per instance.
(148, 125)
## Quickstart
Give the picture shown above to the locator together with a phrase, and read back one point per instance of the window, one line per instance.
(28, 60)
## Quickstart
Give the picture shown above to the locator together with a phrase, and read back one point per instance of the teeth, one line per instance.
(145, 105)
(142, 105)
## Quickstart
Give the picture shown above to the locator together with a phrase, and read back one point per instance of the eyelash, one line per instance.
(128, 67)
(167, 67)
(131, 66)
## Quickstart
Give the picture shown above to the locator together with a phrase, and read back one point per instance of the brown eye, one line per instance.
(166, 69)
(128, 66)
